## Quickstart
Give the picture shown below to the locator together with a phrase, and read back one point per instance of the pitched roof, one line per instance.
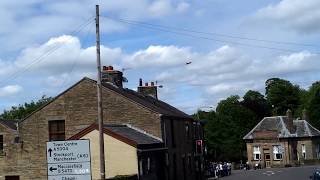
(146, 101)
(125, 133)
(278, 124)
(11, 124)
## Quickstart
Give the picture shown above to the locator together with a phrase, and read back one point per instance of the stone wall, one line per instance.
(78, 107)
(289, 156)
(10, 154)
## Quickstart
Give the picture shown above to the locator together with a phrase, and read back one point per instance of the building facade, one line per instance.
(76, 108)
(282, 141)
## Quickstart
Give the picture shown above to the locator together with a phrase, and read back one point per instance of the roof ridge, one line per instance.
(307, 128)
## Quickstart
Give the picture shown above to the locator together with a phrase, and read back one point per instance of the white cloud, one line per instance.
(10, 90)
(160, 8)
(183, 7)
(300, 15)
(213, 75)
(158, 57)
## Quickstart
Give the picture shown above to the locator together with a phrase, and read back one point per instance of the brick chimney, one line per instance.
(109, 75)
(290, 121)
(148, 90)
(305, 115)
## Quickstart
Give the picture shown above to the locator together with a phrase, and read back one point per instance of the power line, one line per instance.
(47, 53)
(216, 34)
(163, 29)
(74, 64)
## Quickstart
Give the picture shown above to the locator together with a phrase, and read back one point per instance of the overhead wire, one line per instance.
(190, 34)
(74, 64)
(40, 58)
(218, 34)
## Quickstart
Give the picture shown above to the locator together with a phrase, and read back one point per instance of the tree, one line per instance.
(256, 102)
(224, 132)
(22, 111)
(313, 104)
(282, 95)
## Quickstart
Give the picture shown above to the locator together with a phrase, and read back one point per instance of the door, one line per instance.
(267, 160)
(12, 178)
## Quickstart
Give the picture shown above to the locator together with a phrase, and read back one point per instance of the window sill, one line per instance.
(277, 160)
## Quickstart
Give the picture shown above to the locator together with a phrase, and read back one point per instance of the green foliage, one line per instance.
(226, 127)
(256, 102)
(282, 95)
(313, 104)
(23, 110)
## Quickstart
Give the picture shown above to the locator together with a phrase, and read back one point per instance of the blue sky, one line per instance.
(46, 46)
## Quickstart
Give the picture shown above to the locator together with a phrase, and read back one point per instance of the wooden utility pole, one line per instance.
(100, 110)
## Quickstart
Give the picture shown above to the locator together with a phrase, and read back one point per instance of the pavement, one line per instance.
(292, 173)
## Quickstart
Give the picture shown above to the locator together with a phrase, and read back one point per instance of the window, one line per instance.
(256, 153)
(318, 151)
(173, 143)
(187, 128)
(303, 150)
(1, 144)
(277, 152)
(12, 177)
(56, 130)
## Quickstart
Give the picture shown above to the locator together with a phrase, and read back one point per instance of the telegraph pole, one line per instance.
(99, 88)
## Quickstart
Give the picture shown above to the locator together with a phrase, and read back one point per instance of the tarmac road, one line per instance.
(293, 173)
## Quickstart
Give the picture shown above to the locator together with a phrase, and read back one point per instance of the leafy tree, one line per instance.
(282, 95)
(313, 104)
(23, 110)
(224, 132)
(256, 102)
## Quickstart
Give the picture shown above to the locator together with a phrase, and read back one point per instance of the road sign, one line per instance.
(69, 168)
(69, 160)
(67, 177)
(68, 151)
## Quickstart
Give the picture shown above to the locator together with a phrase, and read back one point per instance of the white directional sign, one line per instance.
(69, 160)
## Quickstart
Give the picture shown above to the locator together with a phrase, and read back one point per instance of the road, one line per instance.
(293, 173)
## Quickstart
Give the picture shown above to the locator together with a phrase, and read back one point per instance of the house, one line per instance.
(75, 109)
(128, 150)
(280, 141)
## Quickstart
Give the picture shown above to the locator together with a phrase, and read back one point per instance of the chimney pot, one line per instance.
(104, 68)
(290, 121)
(305, 115)
(140, 82)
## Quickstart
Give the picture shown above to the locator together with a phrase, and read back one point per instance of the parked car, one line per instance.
(316, 175)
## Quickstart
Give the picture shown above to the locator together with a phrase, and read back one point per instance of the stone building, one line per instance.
(75, 109)
(280, 140)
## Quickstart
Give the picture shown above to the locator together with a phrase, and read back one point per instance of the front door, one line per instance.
(267, 160)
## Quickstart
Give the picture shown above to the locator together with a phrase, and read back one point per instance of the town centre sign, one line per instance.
(69, 160)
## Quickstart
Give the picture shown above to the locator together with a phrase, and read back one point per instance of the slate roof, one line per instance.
(125, 133)
(134, 134)
(278, 123)
(147, 101)
(11, 124)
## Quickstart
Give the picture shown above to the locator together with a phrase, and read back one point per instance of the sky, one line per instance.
(233, 46)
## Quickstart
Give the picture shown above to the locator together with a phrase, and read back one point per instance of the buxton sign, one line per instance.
(69, 160)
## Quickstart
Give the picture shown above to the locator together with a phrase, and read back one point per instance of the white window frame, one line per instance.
(256, 151)
(303, 151)
(277, 151)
